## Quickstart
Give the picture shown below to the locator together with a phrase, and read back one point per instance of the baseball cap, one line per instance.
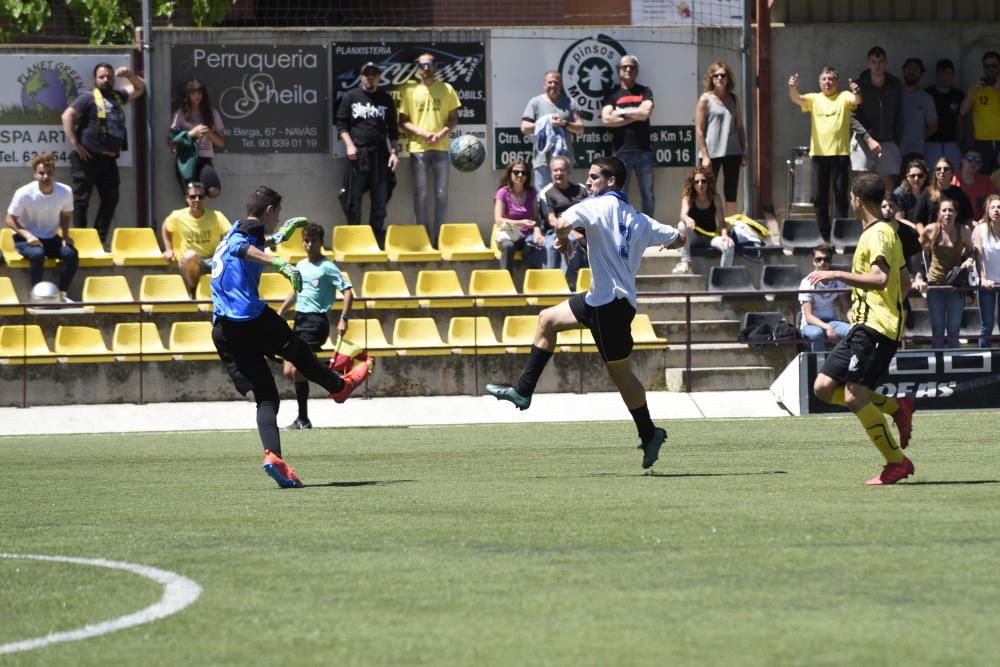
(369, 66)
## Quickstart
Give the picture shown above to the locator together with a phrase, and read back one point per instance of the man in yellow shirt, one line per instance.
(983, 99)
(829, 141)
(428, 111)
(191, 234)
(879, 282)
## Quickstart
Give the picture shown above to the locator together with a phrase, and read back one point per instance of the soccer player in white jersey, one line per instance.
(616, 234)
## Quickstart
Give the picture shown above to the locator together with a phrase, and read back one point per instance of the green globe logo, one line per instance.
(48, 87)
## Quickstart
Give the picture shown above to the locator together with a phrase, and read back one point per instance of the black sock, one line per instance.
(532, 371)
(302, 396)
(267, 426)
(643, 423)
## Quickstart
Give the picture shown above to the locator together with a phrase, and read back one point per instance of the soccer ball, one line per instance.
(45, 292)
(467, 153)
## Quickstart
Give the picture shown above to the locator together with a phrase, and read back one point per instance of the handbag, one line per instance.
(957, 277)
(508, 231)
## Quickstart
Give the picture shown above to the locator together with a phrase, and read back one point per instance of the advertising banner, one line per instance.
(272, 98)
(461, 64)
(35, 89)
(588, 64)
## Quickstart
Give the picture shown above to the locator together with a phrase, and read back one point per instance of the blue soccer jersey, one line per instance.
(235, 281)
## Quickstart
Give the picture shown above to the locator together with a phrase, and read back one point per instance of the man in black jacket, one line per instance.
(878, 122)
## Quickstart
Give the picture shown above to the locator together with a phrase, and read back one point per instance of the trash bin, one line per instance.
(800, 181)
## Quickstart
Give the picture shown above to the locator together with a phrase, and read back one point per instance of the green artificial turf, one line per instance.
(756, 543)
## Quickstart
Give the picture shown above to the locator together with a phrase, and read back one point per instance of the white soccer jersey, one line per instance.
(39, 213)
(617, 234)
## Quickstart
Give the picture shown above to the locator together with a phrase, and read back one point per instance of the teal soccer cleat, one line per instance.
(651, 449)
(505, 392)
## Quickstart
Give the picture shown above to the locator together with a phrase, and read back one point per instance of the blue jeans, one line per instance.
(818, 335)
(946, 315)
(642, 163)
(422, 163)
(532, 255)
(361, 181)
(987, 313)
(51, 247)
(542, 177)
(556, 260)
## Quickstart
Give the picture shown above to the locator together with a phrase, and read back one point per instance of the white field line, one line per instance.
(178, 593)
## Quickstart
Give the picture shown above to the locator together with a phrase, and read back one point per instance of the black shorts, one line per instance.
(245, 345)
(313, 328)
(862, 357)
(611, 325)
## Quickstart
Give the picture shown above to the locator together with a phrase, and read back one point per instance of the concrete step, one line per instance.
(676, 330)
(669, 282)
(702, 308)
(718, 354)
(721, 378)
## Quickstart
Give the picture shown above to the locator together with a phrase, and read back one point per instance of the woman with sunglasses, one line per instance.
(904, 200)
(515, 213)
(719, 133)
(938, 188)
(195, 132)
(986, 239)
(701, 215)
(949, 245)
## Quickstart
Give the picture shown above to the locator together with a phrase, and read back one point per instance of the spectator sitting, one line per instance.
(976, 186)
(939, 188)
(191, 234)
(553, 200)
(986, 239)
(819, 322)
(515, 209)
(701, 215)
(195, 132)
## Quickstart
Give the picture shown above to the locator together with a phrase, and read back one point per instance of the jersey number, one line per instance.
(626, 234)
(217, 260)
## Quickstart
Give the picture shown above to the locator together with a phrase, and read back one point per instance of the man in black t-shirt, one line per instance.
(553, 200)
(95, 127)
(947, 101)
(626, 112)
(367, 124)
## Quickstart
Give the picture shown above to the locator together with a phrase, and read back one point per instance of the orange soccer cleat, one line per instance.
(281, 473)
(353, 380)
(892, 473)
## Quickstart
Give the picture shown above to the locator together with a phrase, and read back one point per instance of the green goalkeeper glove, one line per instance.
(288, 228)
(289, 271)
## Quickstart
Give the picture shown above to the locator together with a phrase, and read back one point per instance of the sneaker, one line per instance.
(904, 420)
(277, 470)
(683, 268)
(651, 449)
(892, 473)
(299, 424)
(505, 392)
(352, 380)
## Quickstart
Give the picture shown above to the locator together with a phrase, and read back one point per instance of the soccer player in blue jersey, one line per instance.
(246, 332)
(320, 281)
(617, 234)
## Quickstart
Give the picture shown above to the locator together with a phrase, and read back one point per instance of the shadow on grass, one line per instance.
(950, 482)
(346, 485)
(653, 473)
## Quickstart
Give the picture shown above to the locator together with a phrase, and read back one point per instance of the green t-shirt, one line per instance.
(320, 283)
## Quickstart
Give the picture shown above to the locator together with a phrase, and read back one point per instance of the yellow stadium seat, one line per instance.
(418, 336)
(409, 243)
(9, 302)
(88, 247)
(644, 336)
(109, 289)
(576, 340)
(165, 287)
(518, 332)
(24, 344)
(81, 345)
(204, 293)
(381, 289)
(192, 341)
(492, 282)
(583, 280)
(356, 243)
(436, 285)
(274, 288)
(13, 258)
(368, 333)
(133, 341)
(545, 281)
(462, 241)
(473, 335)
(291, 250)
(136, 246)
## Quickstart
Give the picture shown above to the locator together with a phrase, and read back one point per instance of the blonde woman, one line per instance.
(986, 239)
(719, 133)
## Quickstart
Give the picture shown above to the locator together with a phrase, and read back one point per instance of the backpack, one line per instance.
(758, 335)
(749, 236)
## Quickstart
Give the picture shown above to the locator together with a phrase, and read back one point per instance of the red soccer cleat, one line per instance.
(892, 473)
(904, 419)
(353, 380)
(281, 473)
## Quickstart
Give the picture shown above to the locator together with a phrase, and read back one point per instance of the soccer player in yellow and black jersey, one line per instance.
(879, 281)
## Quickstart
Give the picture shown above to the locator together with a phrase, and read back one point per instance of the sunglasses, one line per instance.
(820, 260)
(942, 170)
(991, 66)
(196, 196)
(720, 75)
(700, 181)
(427, 65)
(916, 175)
(628, 67)
(519, 172)
(973, 158)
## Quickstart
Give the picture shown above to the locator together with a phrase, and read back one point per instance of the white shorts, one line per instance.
(862, 159)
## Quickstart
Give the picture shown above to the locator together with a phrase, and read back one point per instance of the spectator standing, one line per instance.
(983, 100)
(719, 133)
(428, 111)
(190, 236)
(941, 187)
(976, 186)
(904, 199)
(829, 141)
(820, 321)
(39, 215)
(195, 132)
(553, 200)
(94, 125)
(920, 119)
(877, 123)
(626, 111)
(515, 218)
(549, 117)
(986, 239)
(947, 102)
(702, 219)
(367, 124)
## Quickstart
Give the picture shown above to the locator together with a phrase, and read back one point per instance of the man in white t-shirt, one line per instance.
(39, 214)
(820, 322)
(616, 234)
